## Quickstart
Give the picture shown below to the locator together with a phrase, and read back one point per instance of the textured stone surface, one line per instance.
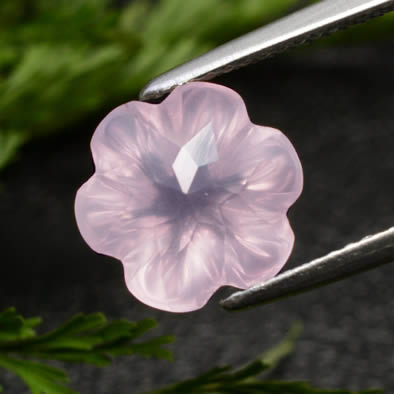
(190, 196)
(339, 116)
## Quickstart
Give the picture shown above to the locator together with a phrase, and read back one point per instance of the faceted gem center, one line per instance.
(198, 152)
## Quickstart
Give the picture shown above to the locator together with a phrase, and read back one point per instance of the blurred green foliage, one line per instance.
(90, 338)
(63, 60)
(82, 339)
(246, 380)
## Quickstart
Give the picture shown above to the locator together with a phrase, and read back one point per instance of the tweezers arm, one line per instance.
(305, 25)
(371, 252)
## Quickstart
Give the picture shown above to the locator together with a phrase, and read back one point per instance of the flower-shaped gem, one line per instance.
(190, 196)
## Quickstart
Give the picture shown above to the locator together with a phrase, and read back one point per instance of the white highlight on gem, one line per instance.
(198, 152)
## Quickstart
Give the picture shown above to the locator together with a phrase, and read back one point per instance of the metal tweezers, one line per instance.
(302, 26)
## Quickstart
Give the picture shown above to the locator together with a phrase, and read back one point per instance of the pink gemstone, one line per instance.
(190, 196)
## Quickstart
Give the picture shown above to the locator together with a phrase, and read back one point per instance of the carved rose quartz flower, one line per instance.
(190, 196)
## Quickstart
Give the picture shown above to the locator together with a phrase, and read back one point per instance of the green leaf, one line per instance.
(89, 338)
(116, 329)
(82, 339)
(226, 380)
(14, 327)
(40, 378)
(150, 348)
(10, 143)
(79, 323)
(92, 357)
(142, 327)
(277, 353)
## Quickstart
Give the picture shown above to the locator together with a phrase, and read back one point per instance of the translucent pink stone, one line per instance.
(190, 196)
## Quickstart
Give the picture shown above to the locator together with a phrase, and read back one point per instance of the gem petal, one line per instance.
(190, 196)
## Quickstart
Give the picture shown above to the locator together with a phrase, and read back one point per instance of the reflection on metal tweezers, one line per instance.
(369, 253)
(305, 25)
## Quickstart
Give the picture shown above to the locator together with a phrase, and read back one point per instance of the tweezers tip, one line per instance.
(231, 302)
(225, 304)
(156, 88)
(147, 93)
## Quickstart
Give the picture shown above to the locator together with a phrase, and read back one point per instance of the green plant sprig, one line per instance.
(245, 380)
(83, 339)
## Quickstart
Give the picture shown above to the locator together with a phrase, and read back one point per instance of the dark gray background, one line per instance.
(337, 107)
